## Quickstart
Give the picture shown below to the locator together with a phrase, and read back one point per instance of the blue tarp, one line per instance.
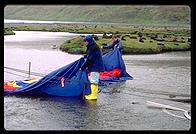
(75, 82)
(113, 59)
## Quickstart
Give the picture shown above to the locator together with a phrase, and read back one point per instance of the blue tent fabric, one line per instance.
(113, 59)
(76, 82)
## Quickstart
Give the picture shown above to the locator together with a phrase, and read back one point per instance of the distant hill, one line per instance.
(94, 13)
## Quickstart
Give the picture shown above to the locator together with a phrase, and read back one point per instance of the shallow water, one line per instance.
(120, 106)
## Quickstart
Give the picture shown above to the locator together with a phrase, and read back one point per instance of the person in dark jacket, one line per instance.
(116, 43)
(93, 64)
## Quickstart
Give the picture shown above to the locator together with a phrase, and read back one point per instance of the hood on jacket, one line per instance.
(89, 39)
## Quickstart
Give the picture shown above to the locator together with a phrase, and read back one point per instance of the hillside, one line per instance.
(122, 14)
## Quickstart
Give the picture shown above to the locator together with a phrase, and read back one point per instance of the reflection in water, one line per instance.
(89, 120)
(76, 113)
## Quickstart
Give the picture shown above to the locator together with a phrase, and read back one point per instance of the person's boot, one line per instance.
(94, 91)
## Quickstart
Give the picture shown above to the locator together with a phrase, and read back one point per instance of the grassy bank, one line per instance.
(8, 31)
(136, 39)
(131, 45)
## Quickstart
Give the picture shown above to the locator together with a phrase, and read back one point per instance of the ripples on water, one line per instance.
(119, 106)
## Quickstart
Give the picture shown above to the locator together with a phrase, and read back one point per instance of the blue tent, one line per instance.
(70, 80)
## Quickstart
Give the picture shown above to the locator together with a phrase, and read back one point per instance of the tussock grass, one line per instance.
(147, 40)
(131, 46)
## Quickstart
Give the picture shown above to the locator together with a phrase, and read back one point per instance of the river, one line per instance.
(157, 77)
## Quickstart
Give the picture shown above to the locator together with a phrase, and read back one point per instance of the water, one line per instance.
(121, 106)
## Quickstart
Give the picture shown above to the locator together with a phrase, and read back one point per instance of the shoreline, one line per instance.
(136, 40)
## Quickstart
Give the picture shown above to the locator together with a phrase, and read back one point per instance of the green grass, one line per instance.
(173, 39)
(131, 46)
(8, 31)
(73, 46)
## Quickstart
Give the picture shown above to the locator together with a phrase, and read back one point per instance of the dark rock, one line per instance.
(160, 44)
(68, 41)
(141, 40)
(139, 34)
(95, 37)
(106, 36)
